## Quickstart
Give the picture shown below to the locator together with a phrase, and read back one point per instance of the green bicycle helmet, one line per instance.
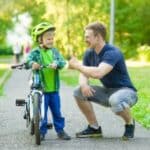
(40, 29)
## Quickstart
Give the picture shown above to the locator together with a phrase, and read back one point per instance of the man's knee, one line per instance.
(122, 99)
(117, 105)
(76, 91)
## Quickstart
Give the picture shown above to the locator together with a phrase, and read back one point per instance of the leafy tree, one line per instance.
(132, 27)
(131, 21)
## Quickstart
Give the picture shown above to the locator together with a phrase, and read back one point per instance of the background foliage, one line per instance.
(131, 21)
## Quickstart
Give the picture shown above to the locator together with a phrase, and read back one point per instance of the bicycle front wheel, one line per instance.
(36, 114)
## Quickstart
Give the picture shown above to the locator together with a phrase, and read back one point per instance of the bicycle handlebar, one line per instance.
(19, 66)
(23, 66)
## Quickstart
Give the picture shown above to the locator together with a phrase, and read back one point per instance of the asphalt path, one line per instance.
(15, 136)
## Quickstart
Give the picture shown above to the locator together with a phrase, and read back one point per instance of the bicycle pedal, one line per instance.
(49, 126)
(20, 102)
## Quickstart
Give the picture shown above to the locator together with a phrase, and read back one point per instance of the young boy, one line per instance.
(46, 54)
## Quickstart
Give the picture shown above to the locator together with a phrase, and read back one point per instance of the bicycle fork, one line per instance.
(41, 104)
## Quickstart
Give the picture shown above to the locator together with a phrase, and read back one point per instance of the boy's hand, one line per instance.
(53, 65)
(35, 66)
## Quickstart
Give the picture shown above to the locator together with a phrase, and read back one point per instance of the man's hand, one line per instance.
(35, 66)
(73, 63)
(87, 91)
(53, 65)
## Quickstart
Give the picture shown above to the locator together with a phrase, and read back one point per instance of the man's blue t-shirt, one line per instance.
(119, 76)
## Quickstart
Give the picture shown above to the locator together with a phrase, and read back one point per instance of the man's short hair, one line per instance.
(98, 28)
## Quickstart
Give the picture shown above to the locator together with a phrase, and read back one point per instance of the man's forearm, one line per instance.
(83, 80)
(89, 71)
(92, 72)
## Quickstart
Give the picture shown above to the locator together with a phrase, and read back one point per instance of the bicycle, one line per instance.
(34, 104)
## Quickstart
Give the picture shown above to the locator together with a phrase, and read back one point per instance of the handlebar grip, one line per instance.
(13, 67)
(17, 66)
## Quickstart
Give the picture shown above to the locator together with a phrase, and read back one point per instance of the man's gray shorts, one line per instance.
(116, 98)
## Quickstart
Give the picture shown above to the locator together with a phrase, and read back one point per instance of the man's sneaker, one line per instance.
(90, 132)
(129, 131)
(63, 135)
(42, 136)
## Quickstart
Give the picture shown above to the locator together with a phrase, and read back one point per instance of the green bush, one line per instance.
(5, 50)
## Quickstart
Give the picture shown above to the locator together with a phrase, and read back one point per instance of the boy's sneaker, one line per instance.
(129, 131)
(63, 135)
(89, 132)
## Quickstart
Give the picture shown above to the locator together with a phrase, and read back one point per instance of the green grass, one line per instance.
(1, 90)
(71, 77)
(2, 71)
(6, 56)
(140, 78)
(4, 60)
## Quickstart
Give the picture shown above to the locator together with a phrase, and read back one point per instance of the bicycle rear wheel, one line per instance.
(36, 113)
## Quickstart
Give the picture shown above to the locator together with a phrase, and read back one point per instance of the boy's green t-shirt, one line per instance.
(48, 74)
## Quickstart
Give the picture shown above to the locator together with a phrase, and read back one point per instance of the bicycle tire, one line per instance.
(36, 114)
(29, 121)
(32, 127)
